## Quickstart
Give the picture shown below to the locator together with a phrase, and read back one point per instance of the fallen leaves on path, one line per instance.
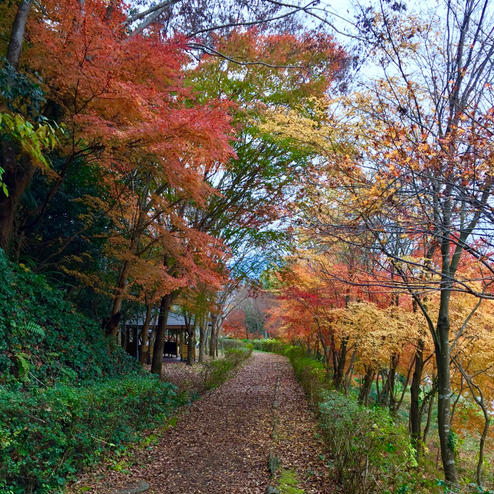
(221, 443)
(187, 378)
(298, 442)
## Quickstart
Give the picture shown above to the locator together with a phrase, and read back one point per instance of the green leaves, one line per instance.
(3, 187)
(38, 325)
(22, 361)
(371, 451)
(46, 435)
(32, 140)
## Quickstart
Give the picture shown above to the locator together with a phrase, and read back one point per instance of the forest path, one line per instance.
(222, 442)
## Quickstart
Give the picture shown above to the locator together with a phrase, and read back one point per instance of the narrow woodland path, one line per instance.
(222, 442)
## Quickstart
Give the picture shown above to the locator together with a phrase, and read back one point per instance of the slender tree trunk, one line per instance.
(212, 340)
(152, 341)
(159, 344)
(378, 392)
(217, 340)
(17, 33)
(365, 388)
(478, 396)
(483, 437)
(415, 415)
(202, 339)
(191, 345)
(211, 343)
(349, 372)
(112, 323)
(334, 353)
(17, 172)
(444, 397)
(390, 383)
(340, 363)
(144, 348)
(429, 419)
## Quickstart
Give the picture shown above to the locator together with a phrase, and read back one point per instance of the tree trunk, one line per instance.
(112, 323)
(483, 438)
(390, 383)
(444, 397)
(349, 372)
(363, 397)
(429, 417)
(340, 363)
(159, 344)
(415, 415)
(378, 392)
(217, 341)
(212, 340)
(152, 341)
(202, 340)
(17, 33)
(17, 173)
(144, 348)
(191, 344)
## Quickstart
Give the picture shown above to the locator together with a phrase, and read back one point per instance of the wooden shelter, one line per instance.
(176, 342)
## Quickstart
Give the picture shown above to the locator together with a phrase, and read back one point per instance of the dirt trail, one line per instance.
(221, 443)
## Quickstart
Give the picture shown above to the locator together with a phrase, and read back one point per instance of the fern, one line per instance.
(34, 329)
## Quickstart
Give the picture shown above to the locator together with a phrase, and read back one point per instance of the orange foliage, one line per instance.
(234, 325)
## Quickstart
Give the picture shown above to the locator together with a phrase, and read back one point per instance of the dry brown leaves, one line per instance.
(298, 443)
(221, 442)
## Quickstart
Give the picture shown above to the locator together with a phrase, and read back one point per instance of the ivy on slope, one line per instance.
(67, 394)
(43, 340)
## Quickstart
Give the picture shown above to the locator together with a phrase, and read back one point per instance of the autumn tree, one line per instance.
(416, 194)
(234, 325)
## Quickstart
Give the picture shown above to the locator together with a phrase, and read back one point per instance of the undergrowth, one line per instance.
(67, 394)
(216, 372)
(371, 453)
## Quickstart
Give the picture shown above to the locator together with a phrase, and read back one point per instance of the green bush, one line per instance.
(217, 371)
(46, 435)
(269, 345)
(232, 343)
(310, 373)
(43, 340)
(372, 454)
(66, 392)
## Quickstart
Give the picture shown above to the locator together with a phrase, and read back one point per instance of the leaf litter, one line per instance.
(221, 443)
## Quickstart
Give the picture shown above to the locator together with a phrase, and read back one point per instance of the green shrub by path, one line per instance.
(309, 372)
(66, 393)
(372, 453)
(233, 343)
(48, 434)
(44, 340)
(217, 371)
(269, 345)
